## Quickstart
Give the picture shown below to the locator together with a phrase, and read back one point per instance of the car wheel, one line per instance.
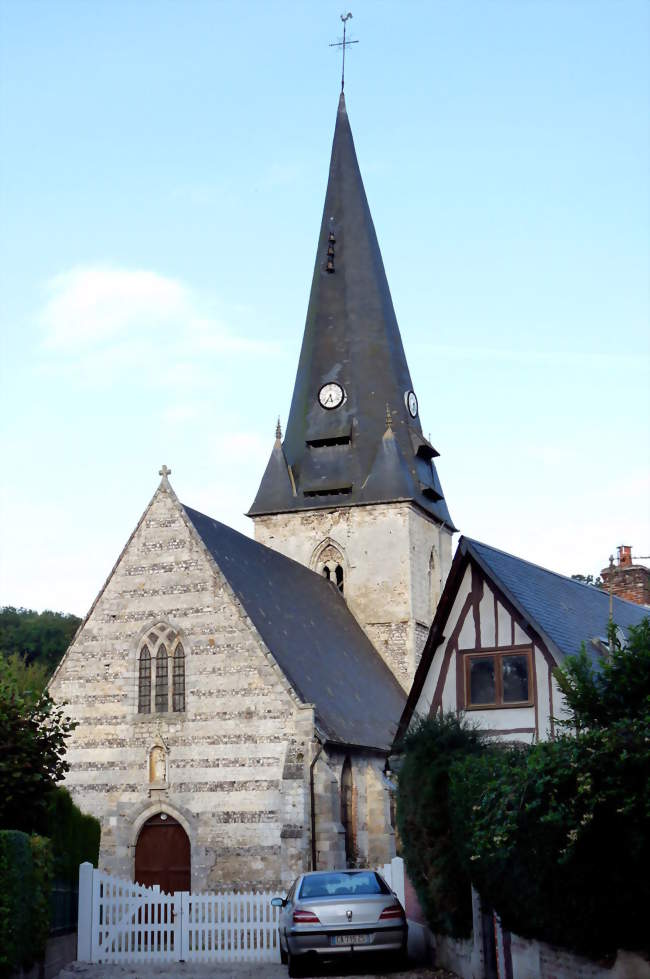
(296, 965)
(283, 955)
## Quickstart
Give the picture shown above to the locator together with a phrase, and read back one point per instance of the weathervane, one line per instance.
(341, 44)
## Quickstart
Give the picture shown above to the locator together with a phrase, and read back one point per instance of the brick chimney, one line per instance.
(624, 556)
(626, 579)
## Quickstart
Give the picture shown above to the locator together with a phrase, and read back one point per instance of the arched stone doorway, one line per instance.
(162, 854)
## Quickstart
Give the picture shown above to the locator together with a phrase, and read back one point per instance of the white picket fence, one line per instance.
(120, 921)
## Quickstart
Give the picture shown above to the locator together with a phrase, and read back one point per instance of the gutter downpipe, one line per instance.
(312, 797)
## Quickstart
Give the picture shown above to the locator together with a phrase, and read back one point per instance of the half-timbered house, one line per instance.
(502, 626)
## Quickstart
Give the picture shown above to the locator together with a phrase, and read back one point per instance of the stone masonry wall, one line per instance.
(390, 581)
(373, 835)
(237, 756)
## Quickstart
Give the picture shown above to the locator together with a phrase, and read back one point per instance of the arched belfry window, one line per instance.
(347, 812)
(329, 562)
(161, 658)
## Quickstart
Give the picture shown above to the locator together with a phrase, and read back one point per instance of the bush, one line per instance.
(33, 732)
(430, 838)
(75, 836)
(555, 836)
(25, 872)
(41, 908)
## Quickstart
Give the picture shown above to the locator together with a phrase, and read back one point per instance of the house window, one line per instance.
(161, 671)
(498, 678)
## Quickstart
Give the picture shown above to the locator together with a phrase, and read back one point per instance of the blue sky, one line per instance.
(162, 174)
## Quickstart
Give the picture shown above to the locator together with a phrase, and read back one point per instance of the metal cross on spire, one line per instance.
(341, 43)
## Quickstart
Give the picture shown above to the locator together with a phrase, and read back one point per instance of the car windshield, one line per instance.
(342, 884)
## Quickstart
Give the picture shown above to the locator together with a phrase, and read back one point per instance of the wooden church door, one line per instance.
(162, 855)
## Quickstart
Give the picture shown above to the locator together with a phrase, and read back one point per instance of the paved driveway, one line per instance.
(261, 970)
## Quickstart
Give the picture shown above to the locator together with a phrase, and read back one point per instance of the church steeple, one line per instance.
(352, 364)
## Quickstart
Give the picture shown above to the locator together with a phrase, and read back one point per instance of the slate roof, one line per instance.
(305, 623)
(563, 611)
(351, 337)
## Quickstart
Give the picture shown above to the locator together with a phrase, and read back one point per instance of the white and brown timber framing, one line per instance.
(495, 605)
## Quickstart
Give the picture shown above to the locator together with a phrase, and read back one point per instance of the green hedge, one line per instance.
(430, 838)
(556, 835)
(25, 873)
(75, 836)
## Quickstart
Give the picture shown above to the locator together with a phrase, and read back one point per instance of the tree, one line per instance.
(588, 579)
(557, 835)
(33, 732)
(37, 637)
(27, 677)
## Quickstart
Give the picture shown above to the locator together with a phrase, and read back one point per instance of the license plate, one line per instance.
(351, 939)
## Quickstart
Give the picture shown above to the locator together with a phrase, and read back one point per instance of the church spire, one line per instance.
(352, 364)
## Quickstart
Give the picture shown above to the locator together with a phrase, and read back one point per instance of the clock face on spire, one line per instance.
(411, 403)
(331, 395)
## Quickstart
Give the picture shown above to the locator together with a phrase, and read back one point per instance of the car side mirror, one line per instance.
(278, 902)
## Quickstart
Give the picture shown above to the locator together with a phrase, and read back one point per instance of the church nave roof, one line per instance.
(313, 636)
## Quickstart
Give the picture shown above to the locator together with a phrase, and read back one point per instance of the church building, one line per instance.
(236, 699)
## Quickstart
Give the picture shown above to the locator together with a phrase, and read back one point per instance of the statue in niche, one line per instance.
(157, 765)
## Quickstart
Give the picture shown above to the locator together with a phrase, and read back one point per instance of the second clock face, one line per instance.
(411, 403)
(331, 395)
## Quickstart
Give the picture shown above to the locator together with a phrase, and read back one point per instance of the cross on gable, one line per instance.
(164, 472)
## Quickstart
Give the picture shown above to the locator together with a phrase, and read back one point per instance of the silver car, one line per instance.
(330, 913)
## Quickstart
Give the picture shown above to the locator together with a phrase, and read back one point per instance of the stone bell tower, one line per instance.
(352, 491)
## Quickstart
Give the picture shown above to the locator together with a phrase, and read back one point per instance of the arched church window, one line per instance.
(144, 681)
(162, 673)
(178, 679)
(329, 562)
(347, 813)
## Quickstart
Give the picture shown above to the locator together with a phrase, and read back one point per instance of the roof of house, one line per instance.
(352, 338)
(563, 612)
(306, 625)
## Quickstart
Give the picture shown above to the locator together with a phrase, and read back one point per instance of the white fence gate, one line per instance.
(120, 921)
(124, 922)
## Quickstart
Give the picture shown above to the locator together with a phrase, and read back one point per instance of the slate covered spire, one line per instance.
(335, 456)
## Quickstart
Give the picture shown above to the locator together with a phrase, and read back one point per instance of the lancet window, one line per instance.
(330, 564)
(347, 812)
(161, 658)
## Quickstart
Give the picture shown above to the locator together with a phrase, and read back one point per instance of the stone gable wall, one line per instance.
(237, 757)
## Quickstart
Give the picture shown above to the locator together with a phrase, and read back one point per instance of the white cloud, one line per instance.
(99, 321)
(98, 305)
(92, 304)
